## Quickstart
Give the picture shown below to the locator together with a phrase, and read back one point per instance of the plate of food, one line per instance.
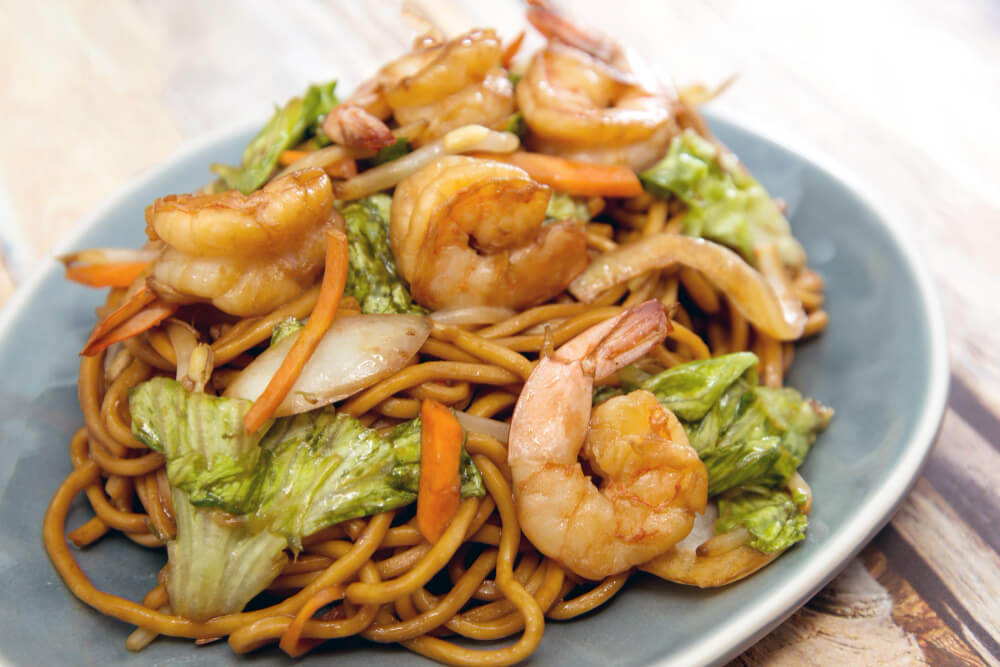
(499, 356)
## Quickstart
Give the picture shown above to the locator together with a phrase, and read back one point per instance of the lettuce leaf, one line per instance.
(724, 202)
(566, 207)
(300, 117)
(294, 477)
(372, 278)
(285, 328)
(773, 519)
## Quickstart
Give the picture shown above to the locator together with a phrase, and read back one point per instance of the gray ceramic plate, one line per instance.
(882, 364)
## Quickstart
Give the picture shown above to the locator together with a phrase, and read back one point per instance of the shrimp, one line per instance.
(582, 97)
(468, 231)
(652, 481)
(706, 561)
(246, 254)
(440, 86)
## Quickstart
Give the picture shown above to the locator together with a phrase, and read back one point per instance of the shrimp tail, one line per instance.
(554, 25)
(619, 341)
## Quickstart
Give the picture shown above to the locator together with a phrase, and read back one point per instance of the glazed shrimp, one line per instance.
(652, 481)
(582, 98)
(468, 231)
(440, 86)
(246, 254)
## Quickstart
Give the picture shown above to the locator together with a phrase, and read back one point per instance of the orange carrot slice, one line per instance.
(288, 157)
(440, 490)
(145, 319)
(290, 642)
(142, 298)
(323, 314)
(511, 50)
(118, 274)
(573, 177)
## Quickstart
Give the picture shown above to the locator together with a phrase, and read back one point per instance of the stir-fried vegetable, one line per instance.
(724, 202)
(331, 290)
(141, 311)
(441, 447)
(771, 517)
(566, 207)
(372, 278)
(107, 267)
(284, 482)
(300, 117)
(392, 151)
(774, 312)
(574, 177)
(355, 352)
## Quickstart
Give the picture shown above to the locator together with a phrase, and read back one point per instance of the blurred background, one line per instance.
(905, 94)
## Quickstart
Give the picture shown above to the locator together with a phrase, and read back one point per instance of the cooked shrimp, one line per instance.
(246, 254)
(652, 481)
(442, 85)
(582, 98)
(707, 560)
(468, 231)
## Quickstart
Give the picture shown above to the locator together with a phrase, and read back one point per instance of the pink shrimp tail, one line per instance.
(618, 341)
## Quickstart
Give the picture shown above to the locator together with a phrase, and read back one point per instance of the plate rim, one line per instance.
(715, 646)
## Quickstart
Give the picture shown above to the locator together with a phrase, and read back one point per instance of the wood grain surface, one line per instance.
(903, 93)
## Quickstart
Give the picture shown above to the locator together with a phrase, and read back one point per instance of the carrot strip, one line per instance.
(440, 491)
(574, 177)
(288, 157)
(511, 50)
(323, 314)
(145, 319)
(142, 298)
(290, 643)
(118, 274)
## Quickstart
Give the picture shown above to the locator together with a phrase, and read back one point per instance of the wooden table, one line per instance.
(904, 93)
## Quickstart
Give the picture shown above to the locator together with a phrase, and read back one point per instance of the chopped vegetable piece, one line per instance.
(372, 277)
(322, 316)
(574, 177)
(289, 125)
(121, 274)
(564, 207)
(440, 486)
(142, 311)
(392, 151)
(725, 203)
(285, 328)
(772, 518)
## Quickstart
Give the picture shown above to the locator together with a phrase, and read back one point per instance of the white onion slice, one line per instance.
(491, 427)
(467, 138)
(777, 314)
(356, 352)
(472, 315)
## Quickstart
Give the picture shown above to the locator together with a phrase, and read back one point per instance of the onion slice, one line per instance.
(773, 311)
(461, 140)
(491, 427)
(472, 315)
(356, 352)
